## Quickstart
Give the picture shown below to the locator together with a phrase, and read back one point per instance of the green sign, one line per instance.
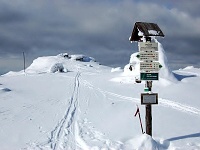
(149, 76)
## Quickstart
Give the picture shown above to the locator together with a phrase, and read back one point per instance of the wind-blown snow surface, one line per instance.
(79, 107)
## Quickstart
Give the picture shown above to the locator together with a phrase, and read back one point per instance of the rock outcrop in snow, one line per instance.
(57, 67)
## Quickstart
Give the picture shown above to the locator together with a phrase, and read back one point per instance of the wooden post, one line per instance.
(148, 113)
(148, 106)
(148, 120)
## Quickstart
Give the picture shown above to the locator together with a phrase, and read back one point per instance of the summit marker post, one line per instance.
(149, 65)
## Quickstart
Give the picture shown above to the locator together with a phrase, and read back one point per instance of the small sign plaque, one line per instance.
(147, 46)
(147, 98)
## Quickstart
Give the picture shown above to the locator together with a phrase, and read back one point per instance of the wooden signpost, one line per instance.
(149, 68)
(149, 65)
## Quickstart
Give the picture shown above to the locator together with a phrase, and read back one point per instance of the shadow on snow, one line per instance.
(181, 77)
(184, 137)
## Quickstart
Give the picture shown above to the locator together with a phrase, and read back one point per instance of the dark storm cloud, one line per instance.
(190, 7)
(96, 28)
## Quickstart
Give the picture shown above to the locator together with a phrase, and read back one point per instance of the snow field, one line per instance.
(92, 107)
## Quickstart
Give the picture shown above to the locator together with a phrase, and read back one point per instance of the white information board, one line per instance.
(147, 98)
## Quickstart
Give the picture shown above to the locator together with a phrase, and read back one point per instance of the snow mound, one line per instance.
(60, 63)
(189, 71)
(145, 142)
(133, 68)
(118, 69)
(188, 68)
(165, 71)
(43, 64)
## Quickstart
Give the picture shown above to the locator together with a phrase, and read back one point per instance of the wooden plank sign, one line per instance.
(143, 56)
(149, 66)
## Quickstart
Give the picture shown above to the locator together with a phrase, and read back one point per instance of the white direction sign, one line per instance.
(149, 66)
(143, 56)
(148, 47)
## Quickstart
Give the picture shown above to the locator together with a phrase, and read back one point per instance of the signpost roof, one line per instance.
(148, 29)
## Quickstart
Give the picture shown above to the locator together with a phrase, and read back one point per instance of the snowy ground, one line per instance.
(88, 106)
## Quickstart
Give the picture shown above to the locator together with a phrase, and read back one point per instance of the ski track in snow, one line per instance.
(66, 135)
(163, 102)
(179, 106)
(69, 131)
(63, 136)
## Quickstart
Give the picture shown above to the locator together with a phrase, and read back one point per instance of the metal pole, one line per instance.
(148, 117)
(141, 123)
(24, 61)
(138, 112)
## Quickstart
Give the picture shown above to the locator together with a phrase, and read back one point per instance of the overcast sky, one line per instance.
(96, 28)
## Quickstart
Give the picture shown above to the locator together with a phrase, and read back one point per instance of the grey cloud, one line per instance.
(189, 7)
(98, 29)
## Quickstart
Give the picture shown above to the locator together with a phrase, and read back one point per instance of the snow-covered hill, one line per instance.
(72, 102)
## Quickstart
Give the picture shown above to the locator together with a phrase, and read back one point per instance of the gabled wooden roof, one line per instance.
(148, 29)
